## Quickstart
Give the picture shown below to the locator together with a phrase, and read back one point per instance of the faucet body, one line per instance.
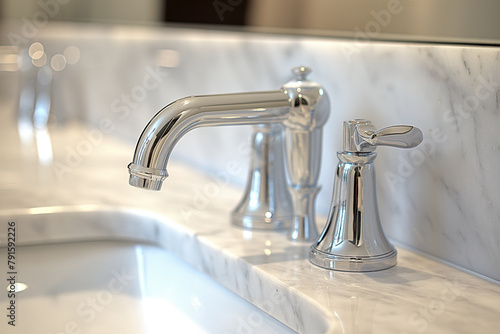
(353, 239)
(301, 106)
(266, 201)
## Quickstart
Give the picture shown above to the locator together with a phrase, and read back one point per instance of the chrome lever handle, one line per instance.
(353, 238)
(360, 136)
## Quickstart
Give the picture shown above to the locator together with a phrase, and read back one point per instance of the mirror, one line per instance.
(443, 21)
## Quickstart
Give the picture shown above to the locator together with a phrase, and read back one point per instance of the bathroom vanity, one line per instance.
(64, 185)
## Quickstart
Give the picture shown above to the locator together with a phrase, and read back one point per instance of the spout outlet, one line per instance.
(146, 178)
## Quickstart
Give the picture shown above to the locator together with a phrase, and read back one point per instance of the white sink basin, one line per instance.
(121, 287)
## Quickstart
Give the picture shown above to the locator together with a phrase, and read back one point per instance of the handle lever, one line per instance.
(361, 136)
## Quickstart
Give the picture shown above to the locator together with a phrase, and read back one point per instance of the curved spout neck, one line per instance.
(149, 166)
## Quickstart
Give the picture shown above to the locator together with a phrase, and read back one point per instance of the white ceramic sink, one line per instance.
(121, 287)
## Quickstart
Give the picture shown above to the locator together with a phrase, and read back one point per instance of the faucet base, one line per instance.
(353, 263)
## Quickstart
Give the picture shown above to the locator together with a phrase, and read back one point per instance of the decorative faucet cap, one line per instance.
(301, 72)
(309, 102)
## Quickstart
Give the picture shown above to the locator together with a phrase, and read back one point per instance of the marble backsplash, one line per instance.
(441, 198)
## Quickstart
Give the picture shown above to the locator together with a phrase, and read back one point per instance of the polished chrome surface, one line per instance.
(361, 136)
(303, 141)
(353, 239)
(149, 166)
(301, 106)
(303, 226)
(266, 202)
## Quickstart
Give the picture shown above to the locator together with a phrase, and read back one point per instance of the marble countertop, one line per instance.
(84, 169)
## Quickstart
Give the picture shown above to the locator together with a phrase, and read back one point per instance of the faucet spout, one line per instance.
(301, 107)
(149, 167)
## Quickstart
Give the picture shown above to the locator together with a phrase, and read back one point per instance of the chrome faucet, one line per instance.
(300, 106)
(353, 239)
